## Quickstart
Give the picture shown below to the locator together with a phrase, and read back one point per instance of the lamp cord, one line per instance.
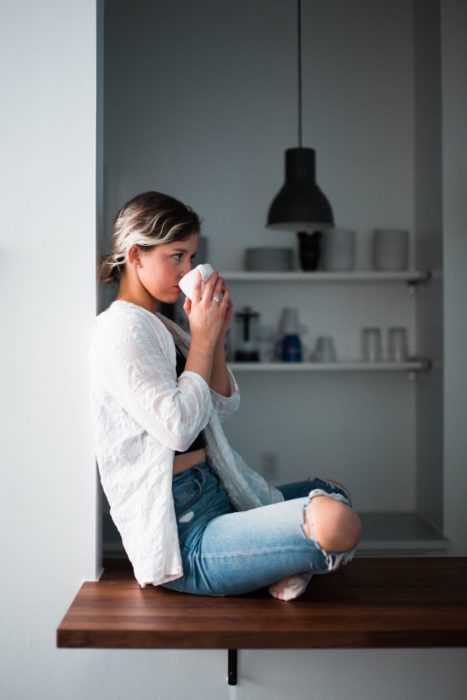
(299, 75)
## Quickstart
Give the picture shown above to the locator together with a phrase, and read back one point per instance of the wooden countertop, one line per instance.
(370, 603)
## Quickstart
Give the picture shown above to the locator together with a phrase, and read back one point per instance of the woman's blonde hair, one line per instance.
(149, 219)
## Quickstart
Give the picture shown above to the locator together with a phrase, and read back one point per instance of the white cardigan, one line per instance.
(141, 414)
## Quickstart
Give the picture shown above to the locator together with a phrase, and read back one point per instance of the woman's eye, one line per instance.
(178, 256)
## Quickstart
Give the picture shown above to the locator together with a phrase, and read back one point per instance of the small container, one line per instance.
(309, 249)
(397, 345)
(266, 341)
(291, 348)
(372, 345)
(325, 349)
(390, 249)
(338, 250)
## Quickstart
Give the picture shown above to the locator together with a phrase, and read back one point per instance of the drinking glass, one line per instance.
(325, 349)
(372, 345)
(397, 344)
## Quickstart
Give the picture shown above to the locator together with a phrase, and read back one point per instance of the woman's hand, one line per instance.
(228, 314)
(209, 319)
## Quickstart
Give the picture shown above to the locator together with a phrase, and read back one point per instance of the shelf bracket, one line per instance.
(232, 666)
(413, 284)
(412, 374)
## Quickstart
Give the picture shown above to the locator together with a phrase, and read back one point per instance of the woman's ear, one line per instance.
(134, 255)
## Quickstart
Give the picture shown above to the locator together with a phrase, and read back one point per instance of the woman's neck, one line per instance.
(139, 297)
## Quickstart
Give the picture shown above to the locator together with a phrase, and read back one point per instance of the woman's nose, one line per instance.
(186, 268)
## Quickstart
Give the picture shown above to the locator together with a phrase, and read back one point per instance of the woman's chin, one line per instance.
(172, 297)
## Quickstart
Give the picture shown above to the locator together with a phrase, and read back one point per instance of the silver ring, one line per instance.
(217, 297)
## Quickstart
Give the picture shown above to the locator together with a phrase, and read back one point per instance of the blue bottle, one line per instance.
(291, 348)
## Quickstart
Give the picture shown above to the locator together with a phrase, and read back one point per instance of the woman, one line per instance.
(192, 515)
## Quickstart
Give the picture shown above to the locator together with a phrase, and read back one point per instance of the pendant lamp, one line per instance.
(300, 205)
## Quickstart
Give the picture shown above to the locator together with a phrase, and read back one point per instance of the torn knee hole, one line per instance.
(308, 523)
(330, 523)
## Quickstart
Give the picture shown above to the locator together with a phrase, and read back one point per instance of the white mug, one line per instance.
(187, 282)
(338, 249)
(390, 249)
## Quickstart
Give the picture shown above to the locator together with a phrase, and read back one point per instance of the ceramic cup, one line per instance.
(337, 250)
(390, 249)
(187, 282)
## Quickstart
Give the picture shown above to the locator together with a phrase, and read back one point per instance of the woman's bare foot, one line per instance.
(290, 587)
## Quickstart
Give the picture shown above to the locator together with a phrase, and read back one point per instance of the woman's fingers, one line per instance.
(210, 286)
(219, 288)
(187, 306)
(225, 304)
(215, 287)
(196, 293)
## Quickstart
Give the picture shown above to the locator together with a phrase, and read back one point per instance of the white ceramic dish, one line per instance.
(187, 282)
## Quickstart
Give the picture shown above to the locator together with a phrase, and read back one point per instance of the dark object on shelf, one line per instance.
(247, 350)
(309, 249)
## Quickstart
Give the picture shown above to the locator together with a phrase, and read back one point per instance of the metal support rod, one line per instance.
(232, 666)
(299, 61)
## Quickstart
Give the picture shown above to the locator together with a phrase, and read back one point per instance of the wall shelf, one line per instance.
(419, 365)
(408, 276)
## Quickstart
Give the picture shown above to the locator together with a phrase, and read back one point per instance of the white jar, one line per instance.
(338, 250)
(390, 249)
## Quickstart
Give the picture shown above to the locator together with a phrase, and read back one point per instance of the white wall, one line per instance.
(47, 257)
(48, 298)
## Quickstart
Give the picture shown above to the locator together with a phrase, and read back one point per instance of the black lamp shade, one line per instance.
(300, 205)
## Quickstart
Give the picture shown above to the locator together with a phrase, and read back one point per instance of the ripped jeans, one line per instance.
(230, 552)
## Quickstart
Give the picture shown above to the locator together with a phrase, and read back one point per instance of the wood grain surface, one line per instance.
(370, 603)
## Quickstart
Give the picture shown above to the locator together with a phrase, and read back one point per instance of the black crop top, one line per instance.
(200, 441)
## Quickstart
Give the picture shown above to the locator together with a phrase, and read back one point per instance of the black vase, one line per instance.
(309, 249)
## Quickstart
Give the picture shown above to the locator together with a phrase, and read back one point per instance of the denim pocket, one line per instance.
(185, 494)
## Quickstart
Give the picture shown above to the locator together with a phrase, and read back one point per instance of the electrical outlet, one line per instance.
(269, 464)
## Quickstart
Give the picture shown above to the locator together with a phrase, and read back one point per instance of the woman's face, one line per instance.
(163, 266)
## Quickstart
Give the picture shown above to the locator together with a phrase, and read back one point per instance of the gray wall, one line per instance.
(429, 255)
(48, 477)
(454, 23)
